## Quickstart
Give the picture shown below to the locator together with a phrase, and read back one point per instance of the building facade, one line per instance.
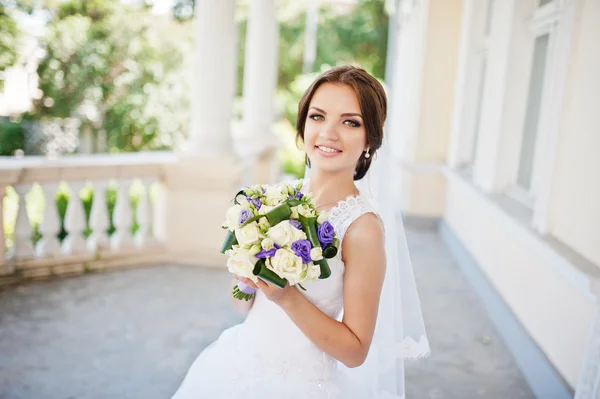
(496, 135)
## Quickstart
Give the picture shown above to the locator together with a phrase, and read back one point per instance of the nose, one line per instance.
(329, 132)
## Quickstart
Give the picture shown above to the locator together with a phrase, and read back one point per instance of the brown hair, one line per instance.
(372, 101)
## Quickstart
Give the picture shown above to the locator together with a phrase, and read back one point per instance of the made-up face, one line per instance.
(334, 132)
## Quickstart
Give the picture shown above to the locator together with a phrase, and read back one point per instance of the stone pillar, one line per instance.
(199, 187)
(214, 79)
(419, 118)
(256, 140)
(310, 36)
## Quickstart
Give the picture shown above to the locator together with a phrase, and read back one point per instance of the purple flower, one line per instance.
(255, 201)
(325, 233)
(267, 254)
(297, 195)
(296, 224)
(245, 215)
(302, 249)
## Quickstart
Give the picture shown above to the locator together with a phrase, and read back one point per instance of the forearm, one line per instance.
(328, 334)
(241, 306)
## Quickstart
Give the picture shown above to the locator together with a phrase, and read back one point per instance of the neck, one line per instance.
(328, 188)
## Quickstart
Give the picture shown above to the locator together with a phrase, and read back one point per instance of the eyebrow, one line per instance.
(344, 114)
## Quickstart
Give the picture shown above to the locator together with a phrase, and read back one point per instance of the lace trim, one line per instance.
(347, 211)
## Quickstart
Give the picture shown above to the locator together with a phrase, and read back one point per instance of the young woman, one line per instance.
(292, 342)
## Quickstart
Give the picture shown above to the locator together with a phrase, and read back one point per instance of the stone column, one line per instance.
(214, 78)
(419, 118)
(200, 185)
(256, 139)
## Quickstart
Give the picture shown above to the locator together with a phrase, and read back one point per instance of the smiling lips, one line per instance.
(327, 151)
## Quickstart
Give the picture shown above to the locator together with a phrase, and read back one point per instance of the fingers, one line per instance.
(262, 285)
(246, 281)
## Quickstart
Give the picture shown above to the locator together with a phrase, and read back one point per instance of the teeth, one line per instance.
(327, 149)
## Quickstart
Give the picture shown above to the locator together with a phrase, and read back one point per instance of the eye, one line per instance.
(351, 123)
(316, 117)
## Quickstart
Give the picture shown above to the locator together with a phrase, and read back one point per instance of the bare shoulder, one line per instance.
(365, 236)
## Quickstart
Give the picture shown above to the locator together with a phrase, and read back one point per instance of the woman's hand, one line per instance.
(280, 296)
(246, 281)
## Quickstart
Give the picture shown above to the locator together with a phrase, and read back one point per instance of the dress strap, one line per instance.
(346, 212)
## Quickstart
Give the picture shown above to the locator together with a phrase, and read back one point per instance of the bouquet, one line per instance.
(275, 233)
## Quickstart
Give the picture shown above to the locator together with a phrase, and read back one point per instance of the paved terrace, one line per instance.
(133, 333)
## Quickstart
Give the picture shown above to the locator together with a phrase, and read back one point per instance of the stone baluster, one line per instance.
(75, 224)
(99, 222)
(144, 236)
(49, 244)
(23, 247)
(122, 217)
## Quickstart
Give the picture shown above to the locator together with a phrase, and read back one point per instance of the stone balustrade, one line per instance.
(78, 241)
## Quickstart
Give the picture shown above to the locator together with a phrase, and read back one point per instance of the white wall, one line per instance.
(549, 302)
(575, 206)
(550, 296)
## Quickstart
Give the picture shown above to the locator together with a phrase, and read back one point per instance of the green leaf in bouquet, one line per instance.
(324, 266)
(230, 241)
(281, 212)
(262, 271)
(330, 251)
(309, 225)
(242, 191)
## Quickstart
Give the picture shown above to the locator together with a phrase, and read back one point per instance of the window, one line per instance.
(532, 113)
(469, 129)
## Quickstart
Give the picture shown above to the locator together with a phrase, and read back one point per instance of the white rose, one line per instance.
(274, 195)
(297, 234)
(232, 217)
(316, 253)
(323, 215)
(285, 234)
(243, 202)
(314, 271)
(241, 262)
(287, 265)
(267, 244)
(248, 235)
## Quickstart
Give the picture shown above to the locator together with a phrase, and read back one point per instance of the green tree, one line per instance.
(104, 64)
(8, 41)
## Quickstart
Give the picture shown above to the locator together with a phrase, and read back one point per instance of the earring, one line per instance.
(367, 155)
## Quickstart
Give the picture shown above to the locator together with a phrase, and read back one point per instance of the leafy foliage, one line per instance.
(8, 41)
(111, 68)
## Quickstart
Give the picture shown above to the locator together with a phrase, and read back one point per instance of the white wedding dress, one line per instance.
(267, 356)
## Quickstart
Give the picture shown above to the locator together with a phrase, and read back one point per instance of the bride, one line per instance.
(347, 335)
